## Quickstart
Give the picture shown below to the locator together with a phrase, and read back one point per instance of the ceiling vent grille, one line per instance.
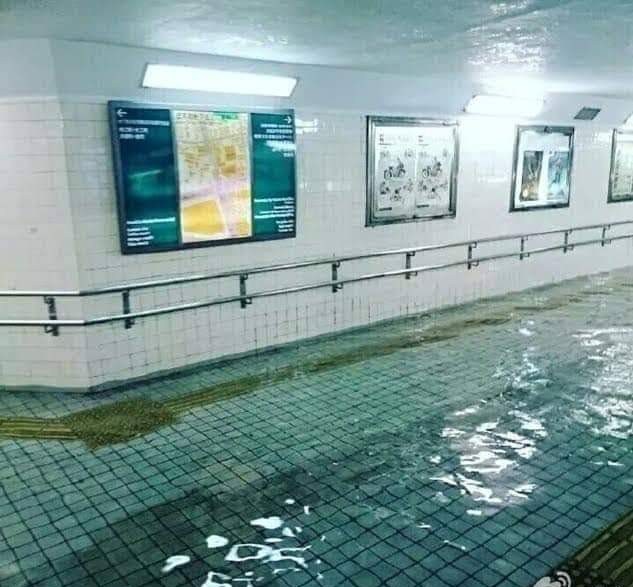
(587, 113)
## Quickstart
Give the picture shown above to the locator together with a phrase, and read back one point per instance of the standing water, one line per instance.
(479, 446)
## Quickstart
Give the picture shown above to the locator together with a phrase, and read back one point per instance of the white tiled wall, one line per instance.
(37, 245)
(76, 244)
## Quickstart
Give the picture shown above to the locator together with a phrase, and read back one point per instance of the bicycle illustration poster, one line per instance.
(413, 170)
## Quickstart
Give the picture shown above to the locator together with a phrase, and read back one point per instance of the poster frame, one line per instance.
(372, 123)
(614, 146)
(119, 182)
(567, 130)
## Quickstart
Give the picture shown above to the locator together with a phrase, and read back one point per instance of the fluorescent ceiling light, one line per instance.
(505, 106)
(180, 77)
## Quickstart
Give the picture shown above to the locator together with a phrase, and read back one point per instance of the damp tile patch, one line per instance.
(122, 421)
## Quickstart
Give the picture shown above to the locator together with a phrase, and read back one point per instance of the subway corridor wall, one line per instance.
(62, 223)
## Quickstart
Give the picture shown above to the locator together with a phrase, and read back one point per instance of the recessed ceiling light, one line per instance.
(504, 105)
(180, 77)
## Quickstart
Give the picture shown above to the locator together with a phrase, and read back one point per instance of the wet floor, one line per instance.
(479, 446)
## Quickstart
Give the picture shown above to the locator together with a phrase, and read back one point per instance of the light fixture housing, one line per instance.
(494, 105)
(587, 113)
(199, 79)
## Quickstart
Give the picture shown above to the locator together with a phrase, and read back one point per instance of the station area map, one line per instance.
(214, 175)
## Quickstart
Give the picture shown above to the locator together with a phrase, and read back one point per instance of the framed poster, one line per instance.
(192, 178)
(543, 158)
(411, 169)
(621, 176)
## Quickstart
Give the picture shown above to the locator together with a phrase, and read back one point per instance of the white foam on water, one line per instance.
(273, 540)
(485, 461)
(262, 551)
(448, 479)
(175, 561)
(485, 427)
(451, 433)
(439, 497)
(285, 570)
(526, 488)
(474, 512)
(215, 541)
(266, 553)
(477, 491)
(298, 529)
(211, 582)
(455, 545)
(306, 510)
(526, 332)
(271, 523)
(466, 411)
(278, 555)
(288, 533)
(290, 501)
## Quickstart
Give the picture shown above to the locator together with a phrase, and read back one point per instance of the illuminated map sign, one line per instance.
(190, 178)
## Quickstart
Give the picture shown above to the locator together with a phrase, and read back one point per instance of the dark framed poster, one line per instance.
(195, 178)
(411, 169)
(543, 157)
(621, 176)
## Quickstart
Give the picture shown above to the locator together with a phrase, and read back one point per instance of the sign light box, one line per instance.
(192, 178)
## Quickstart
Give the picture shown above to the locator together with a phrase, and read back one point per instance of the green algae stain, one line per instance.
(117, 422)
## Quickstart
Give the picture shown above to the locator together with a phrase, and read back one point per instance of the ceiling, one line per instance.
(567, 45)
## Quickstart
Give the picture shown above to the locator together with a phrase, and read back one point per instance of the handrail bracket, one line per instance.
(470, 261)
(407, 265)
(127, 309)
(335, 285)
(52, 315)
(523, 254)
(244, 299)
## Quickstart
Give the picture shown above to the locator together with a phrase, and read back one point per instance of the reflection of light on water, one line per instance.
(175, 561)
(214, 541)
(526, 377)
(490, 451)
(267, 553)
(271, 523)
(610, 396)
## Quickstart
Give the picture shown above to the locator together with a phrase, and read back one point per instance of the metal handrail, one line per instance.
(53, 323)
(119, 288)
